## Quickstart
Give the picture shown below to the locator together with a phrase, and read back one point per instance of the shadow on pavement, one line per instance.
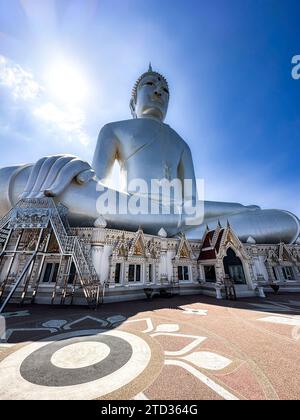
(36, 322)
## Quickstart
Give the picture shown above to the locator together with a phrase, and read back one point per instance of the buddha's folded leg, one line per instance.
(264, 226)
(88, 202)
(84, 204)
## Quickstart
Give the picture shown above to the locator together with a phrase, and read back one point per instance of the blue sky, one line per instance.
(228, 63)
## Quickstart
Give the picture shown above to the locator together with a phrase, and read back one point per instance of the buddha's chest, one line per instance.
(152, 150)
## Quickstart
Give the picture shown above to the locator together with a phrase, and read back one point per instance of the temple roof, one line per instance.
(211, 244)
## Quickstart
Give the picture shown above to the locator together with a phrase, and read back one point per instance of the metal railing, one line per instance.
(69, 245)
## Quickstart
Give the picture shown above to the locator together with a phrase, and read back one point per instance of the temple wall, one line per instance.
(145, 261)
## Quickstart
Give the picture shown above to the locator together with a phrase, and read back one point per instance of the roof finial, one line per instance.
(150, 68)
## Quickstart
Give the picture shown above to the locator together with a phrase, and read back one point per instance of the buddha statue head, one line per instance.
(150, 96)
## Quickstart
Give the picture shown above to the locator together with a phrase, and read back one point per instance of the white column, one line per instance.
(201, 273)
(163, 264)
(170, 255)
(97, 252)
(259, 267)
(105, 263)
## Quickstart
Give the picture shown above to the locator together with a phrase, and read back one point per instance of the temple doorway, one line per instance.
(233, 266)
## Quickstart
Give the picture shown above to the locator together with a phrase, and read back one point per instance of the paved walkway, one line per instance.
(179, 348)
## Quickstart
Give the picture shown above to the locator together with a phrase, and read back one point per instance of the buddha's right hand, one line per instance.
(50, 176)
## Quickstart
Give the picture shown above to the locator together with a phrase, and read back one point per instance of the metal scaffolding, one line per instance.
(35, 231)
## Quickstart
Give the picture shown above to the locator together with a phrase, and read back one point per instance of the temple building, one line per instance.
(60, 243)
(44, 260)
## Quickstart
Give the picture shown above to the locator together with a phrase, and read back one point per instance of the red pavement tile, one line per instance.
(175, 383)
(264, 357)
(244, 382)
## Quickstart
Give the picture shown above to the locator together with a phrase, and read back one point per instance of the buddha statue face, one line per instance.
(152, 97)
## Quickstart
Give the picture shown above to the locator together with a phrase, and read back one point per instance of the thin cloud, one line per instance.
(27, 114)
(69, 121)
(20, 82)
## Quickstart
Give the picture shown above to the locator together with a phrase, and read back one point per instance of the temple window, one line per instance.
(210, 273)
(50, 273)
(134, 273)
(118, 273)
(72, 274)
(183, 273)
(274, 273)
(150, 274)
(287, 273)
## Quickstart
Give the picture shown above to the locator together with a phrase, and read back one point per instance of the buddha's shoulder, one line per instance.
(178, 138)
(117, 125)
(131, 124)
(115, 128)
(128, 126)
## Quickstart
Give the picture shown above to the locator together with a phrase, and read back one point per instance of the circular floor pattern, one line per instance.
(38, 371)
(80, 355)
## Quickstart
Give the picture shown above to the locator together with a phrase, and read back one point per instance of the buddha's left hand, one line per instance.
(50, 176)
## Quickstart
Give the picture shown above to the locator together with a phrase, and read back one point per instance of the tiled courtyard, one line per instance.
(177, 348)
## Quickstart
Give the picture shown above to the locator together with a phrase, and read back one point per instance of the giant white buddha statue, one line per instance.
(147, 149)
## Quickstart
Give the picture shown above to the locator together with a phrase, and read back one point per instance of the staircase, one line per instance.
(4, 231)
(18, 282)
(72, 245)
(69, 245)
(6, 219)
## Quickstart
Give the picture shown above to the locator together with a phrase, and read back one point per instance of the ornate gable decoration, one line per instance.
(296, 254)
(284, 253)
(121, 249)
(138, 246)
(153, 250)
(229, 239)
(184, 250)
(30, 218)
(272, 256)
(217, 232)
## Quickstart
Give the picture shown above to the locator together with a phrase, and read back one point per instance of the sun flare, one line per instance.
(67, 82)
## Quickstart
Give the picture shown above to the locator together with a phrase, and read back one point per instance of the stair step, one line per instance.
(71, 245)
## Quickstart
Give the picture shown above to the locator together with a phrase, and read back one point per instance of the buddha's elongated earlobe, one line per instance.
(132, 108)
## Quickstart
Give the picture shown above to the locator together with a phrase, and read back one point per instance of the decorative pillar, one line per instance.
(220, 273)
(201, 274)
(97, 254)
(195, 275)
(105, 263)
(259, 267)
(249, 274)
(163, 270)
(126, 270)
(296, 272)
(169, 266)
